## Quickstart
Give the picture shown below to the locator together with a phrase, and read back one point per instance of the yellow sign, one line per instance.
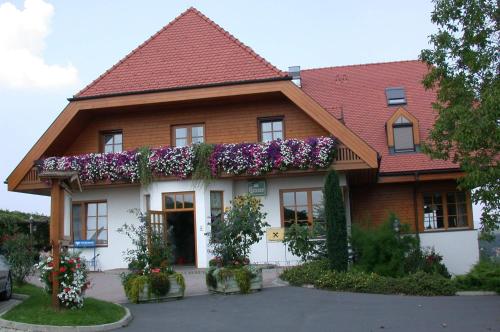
(275, 234)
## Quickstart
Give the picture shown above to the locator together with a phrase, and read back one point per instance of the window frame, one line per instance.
(271, 119)
(189, 137)
(102, 141)
(83, 219)
(221, 192)
(175, 209)
(444, 202)
(310, 205)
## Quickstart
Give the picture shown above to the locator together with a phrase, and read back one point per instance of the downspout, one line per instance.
(415, 205)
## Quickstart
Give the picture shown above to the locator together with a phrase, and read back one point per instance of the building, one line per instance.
(193, 82)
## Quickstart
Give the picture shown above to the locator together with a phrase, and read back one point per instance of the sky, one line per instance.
(49, 50)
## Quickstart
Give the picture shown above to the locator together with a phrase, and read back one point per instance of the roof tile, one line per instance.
(356, 94)
(190, 51)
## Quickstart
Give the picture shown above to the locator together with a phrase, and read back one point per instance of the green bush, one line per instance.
(426, 260)
(160, 284)
(336, 227)
(484, 276)
(20, 254)
(420, 283)
(306, 273)
(242, 274)
(381, 250)
(306, 242)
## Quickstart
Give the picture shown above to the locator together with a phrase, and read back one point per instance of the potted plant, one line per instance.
(150, 276)
(230, 239)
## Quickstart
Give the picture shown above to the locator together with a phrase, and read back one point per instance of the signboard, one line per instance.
(257, 188)
(84, 244)
(275, 234)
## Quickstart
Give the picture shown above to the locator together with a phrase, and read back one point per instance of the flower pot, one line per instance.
(225, 280)
(176, 290)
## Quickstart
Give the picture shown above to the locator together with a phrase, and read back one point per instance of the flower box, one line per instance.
(220, 281)
(176, 291)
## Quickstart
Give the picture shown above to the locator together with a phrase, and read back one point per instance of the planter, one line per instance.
(228, 280)
(138, 289)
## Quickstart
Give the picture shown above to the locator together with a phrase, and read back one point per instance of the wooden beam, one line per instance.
(421, 177)
(56, 216)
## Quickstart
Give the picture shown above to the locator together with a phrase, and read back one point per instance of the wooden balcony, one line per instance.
(345, 159)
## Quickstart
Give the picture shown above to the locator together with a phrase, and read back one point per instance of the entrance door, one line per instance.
(180, 209)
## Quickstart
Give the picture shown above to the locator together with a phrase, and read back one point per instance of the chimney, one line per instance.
(294, 72)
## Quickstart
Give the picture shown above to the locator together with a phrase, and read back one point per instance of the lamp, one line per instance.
(396, 225)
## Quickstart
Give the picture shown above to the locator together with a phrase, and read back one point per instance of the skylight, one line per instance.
(395, 96)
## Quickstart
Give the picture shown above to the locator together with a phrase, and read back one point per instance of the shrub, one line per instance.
(160, 284)
(485, 275)
(420, 283)
(381, 250)
(306, 242)
(243, 226)
(306, 273)
(336, 228)
(425, 284)
(426, 260)
(20, 255)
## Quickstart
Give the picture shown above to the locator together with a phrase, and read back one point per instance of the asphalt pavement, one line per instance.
(300, 309)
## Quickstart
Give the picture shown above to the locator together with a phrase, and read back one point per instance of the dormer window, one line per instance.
(402, 132)
(395, 96)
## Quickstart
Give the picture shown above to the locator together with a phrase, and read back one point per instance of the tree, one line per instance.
(336, 228)
(464, 67)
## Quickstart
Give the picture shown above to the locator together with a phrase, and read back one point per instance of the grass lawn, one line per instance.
(37, 309)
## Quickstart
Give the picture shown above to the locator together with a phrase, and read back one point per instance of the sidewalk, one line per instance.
(107, 285)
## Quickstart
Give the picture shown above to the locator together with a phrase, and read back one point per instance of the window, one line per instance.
(178, 201)
(90, 222)
(445, 210)
(395, 96)
(216, 206)
(188, 134)
(302, 206)
(147, 202)
(403, 135)
(112, 141)
(271, 129)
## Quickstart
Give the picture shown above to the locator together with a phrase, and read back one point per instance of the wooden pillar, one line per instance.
(56, 217)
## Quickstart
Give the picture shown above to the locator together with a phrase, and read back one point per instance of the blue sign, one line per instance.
(84, 244)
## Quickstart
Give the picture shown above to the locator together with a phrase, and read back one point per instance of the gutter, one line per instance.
(120, 94)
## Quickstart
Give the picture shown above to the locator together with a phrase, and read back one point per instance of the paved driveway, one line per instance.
(299, 309)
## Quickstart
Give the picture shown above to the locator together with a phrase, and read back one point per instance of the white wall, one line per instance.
(120, 201)
(460, 249)
(275, 252)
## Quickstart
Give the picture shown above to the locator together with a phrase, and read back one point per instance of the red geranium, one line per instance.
(62, 269)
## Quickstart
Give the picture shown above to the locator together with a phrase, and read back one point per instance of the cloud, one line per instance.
(22, 35)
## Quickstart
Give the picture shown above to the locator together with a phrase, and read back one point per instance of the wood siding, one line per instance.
(224, 123)
(371, 204)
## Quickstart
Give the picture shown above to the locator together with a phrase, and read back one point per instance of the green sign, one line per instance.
(257, 188)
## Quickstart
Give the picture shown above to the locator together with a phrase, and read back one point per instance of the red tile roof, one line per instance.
(190, 51)
(357, 95)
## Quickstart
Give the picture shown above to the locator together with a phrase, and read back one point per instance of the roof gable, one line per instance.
(190, 51)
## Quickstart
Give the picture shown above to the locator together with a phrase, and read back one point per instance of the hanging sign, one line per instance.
(257, 187)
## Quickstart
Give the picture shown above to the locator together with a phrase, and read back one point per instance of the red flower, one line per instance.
(62, 269)
(67, 289)
(73, 269)
(50, 264)
(77, 266)
(78, 259)
(71, 261)
(155, 270)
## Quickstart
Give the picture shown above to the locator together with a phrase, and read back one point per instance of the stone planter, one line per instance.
(175, 292)
(228, 284)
